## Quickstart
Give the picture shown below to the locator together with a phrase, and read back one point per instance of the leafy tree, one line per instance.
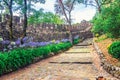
(49, 17)
(97, 3)
(65, 8)
(44, 17)
(57, 20)
(98, 27)
(108, 21)
(9, 5)
(25, 6)
(112, 19)
(36, 17)
(1, 6)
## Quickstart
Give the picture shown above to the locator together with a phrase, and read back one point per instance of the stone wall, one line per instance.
(41, 31)
(113, 70)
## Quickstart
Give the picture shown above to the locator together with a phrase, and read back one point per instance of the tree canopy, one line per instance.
(44, 17)
(108, 21)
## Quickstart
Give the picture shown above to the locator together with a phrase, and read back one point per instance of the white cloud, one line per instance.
(48, 6)
(83, 13)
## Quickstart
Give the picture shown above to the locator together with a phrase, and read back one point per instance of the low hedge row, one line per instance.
(15, 59)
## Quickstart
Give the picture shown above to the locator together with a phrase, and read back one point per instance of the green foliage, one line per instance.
(2, 63)
(112, 25)
(61, 46)
(98, 27)
(101, 38)
(30, 5)
(114, 49)
(46, 50)
(108, 21)
(76, 41)
(44, 17)
(18, 58)
(54, 48)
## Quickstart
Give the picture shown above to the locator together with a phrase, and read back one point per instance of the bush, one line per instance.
(106, 23)
(54, 48)
(114, 49)
(61, 46)
(75, 41)
(98, 25)
(2, 63)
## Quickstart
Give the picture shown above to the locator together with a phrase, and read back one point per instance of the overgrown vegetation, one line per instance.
(100, 38)
(108, 21)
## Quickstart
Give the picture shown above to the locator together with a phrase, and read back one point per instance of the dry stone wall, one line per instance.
(40, 32)
(113, 70)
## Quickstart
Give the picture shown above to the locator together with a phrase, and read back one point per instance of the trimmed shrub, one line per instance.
(45, 51)
(2, 63)
(54, 48)
(61, 46)
(114, 49)
(75, 41)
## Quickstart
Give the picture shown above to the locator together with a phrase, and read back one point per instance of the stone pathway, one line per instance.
(78, 63)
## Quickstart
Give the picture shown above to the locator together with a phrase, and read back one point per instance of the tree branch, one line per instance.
(72, 5)
(92, 5)
(6, 2)
(66, 9)
(98, 6)
(106, 2)
(63, 10)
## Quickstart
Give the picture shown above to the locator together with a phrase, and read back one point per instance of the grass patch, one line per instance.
(100, 38)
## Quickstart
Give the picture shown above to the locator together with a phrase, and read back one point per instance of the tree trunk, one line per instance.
(25, 18)
(11, 20)
(98, 6)
(68, 18)
(70, 32)
(99, 9)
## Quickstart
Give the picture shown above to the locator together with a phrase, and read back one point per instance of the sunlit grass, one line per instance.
(100, 38)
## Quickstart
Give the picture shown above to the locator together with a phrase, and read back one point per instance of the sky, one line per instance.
(79, 13)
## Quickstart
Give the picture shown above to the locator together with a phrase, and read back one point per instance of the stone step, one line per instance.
(82, 44)
(77, 47)
(76, 52)
(79, 50)
(71, 62)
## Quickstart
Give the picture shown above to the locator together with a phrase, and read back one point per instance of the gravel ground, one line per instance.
(78, 63)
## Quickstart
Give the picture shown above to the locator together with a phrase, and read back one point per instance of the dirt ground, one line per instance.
(103, 45)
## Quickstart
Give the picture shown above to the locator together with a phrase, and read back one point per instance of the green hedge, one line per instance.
(61, 46)
(114, 49)
(76, 41)
(15, 59)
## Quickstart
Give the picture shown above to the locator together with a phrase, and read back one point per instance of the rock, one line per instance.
(113, 68)
(51, 54)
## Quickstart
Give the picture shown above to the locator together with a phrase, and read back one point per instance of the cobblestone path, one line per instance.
(78, 63)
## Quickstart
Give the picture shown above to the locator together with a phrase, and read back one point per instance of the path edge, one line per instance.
(111, 69)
